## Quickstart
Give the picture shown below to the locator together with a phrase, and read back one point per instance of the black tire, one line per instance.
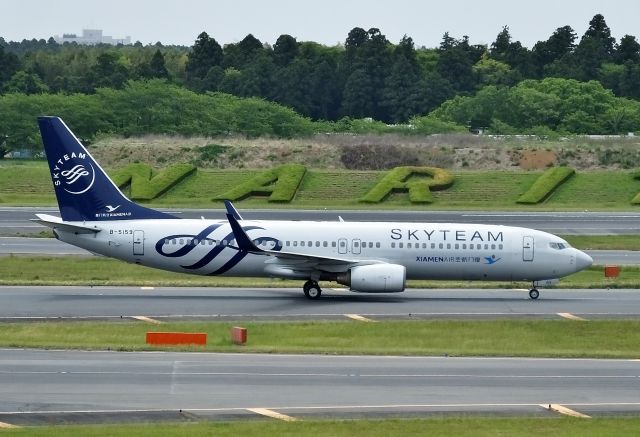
(534, 294)
(312, 290)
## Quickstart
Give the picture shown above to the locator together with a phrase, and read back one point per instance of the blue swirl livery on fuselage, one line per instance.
(194, 241)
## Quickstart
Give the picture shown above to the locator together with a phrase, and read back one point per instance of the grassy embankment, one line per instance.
(438, 426)
(472, 190)
(544, 338)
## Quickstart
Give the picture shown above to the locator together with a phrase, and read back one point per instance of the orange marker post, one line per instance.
(611, 271)
(238, 335)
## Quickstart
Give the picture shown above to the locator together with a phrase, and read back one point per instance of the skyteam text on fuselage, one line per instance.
(367, 257)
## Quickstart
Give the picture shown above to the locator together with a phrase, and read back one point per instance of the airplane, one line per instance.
(367, 257)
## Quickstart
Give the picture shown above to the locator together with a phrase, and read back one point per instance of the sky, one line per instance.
(325, 21)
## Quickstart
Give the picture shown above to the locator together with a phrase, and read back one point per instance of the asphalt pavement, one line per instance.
(20, 303)
(38, 385)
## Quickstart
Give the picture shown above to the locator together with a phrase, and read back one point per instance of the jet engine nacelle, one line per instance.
(375, 278)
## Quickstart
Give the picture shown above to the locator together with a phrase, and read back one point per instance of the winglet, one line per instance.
(232, 210)
(242, 239)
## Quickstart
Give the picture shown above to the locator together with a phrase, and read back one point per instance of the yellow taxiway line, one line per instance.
(564, 410)
(4, 425)
(358, 317)
(147, 319)
(571, 316)
(272, 414)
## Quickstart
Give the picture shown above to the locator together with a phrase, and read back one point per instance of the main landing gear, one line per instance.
(534, 293)
(312, 290)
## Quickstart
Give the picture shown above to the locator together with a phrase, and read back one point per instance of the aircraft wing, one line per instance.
(57, 223)
(294, 261)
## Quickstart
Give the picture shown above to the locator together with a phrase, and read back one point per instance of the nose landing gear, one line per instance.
(534, 293)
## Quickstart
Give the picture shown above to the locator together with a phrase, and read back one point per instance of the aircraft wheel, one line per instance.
(534, 294)
(312, 290)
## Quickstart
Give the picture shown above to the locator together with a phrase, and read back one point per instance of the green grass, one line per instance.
(94, 271)
(437, 426)
(604, 242)
(472, 190)
(545, 338)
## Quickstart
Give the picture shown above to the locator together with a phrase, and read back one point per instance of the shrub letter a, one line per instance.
(280, 184)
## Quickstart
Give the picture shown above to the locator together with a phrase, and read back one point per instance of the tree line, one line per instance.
(366, 77)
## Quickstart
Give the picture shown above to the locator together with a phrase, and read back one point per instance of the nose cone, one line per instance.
(583, 260)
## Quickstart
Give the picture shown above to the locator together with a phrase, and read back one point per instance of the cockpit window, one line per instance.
(559, 246)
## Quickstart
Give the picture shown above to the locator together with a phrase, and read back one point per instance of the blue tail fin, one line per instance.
(83, 189)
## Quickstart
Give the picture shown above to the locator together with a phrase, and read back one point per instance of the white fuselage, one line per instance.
(426, 250)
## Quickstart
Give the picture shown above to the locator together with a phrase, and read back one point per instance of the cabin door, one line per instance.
(138, 242)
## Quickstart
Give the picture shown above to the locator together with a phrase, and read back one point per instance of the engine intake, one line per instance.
(375, 278)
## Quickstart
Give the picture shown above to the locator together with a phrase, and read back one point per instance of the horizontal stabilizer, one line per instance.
(57, 223)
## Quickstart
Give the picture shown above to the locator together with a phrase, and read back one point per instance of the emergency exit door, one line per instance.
(527, 248)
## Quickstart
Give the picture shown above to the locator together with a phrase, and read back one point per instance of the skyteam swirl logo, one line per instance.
(75, 173)
(210, 247)
(72, 176)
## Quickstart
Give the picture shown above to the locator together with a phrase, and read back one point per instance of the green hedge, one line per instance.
(145, 185)
(280, 184)
(545, 185)
(419, 190)
(636, 199)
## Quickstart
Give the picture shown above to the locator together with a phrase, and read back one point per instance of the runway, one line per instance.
(37, 383)
(17, 219)
(22, 303)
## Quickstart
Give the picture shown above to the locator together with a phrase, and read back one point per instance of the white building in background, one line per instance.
(90, 37)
